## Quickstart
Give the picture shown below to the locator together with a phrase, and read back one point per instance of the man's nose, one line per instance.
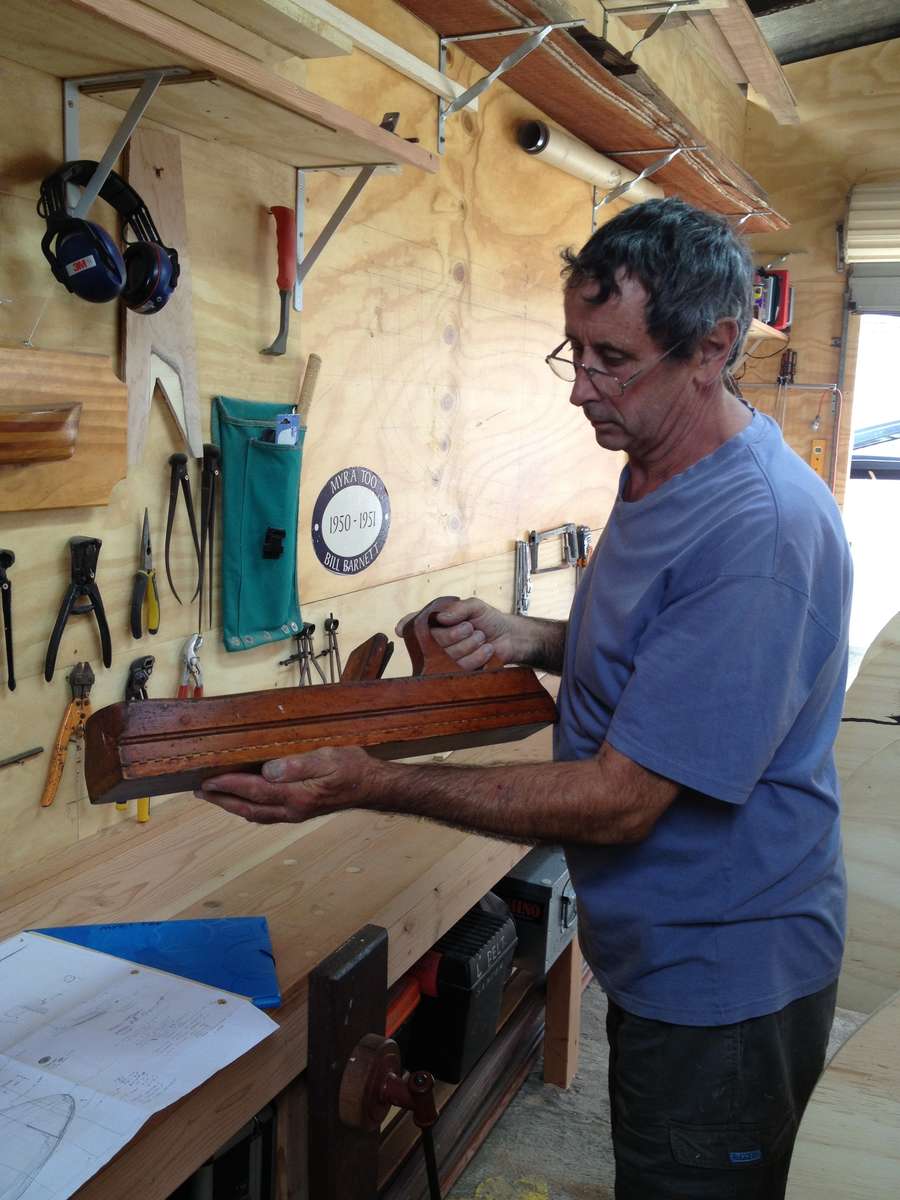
(582, 389)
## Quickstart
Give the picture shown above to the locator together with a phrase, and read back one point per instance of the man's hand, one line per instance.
(473, 633)
(296, 789)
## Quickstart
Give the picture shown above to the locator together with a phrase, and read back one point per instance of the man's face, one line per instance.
(613, 337)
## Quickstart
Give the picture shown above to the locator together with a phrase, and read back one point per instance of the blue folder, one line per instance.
(232, 953)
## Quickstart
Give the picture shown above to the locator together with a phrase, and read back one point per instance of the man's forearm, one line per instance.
(575, 802)
(540, 643)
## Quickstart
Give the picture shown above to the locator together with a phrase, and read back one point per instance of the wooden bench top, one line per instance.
(317, 883)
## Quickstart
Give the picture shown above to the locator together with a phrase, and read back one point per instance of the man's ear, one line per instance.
(714, 350)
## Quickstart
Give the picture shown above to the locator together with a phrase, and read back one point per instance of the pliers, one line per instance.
(179, 477)
(144, 592)
(7, 558)
(81, 680)
(191, 686)
(136, 689)
(84, 552)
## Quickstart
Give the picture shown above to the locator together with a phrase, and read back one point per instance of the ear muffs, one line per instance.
(85, 258)
(148, 277)
(87, 261)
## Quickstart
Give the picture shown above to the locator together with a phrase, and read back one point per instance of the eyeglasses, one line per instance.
(604, 382)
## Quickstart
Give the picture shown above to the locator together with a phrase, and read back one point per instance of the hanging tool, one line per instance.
(144, 592)
(191, 686)
(84, 553)
(286, 235)
(306, 636)
(7, 558)
(583, 545)
(136, 689)
(180, 478)
(569, 546)
(334, 655)
(81, 680)
(522, 579)
(307, 388)
(209, 479)
(23, 756)
(301, 656)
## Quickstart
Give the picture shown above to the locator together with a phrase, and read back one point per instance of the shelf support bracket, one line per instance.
(650, 169)
(79, 201)
(306, 261)
(538, 33)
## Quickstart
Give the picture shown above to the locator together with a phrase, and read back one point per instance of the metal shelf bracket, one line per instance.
(538, 33)
(306, 259)
(80, 200)
(668, 154)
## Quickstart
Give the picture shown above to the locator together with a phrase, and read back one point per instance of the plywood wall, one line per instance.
(432, 310)
(849, 105)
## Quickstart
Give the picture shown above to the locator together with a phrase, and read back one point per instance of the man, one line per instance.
(703, 669)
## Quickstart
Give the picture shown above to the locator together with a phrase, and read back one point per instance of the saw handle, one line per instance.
(286, 233)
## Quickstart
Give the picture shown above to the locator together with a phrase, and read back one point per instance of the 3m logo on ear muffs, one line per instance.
(86, 260)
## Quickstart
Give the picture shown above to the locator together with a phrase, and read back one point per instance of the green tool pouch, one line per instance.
(260, 509)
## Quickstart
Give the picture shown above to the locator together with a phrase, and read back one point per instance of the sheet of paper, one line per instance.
(90, 1047)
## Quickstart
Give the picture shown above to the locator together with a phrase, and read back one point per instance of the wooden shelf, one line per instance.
(232, 97)
(586, 86)
(759, 332)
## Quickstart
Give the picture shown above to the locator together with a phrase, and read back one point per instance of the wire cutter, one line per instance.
(144, 592)
(136, 689)
(7, 558)
(191, 686)
(81, 680)
(84, 552)
(180, 477)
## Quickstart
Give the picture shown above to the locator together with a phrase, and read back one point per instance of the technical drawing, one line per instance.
(30, 1132)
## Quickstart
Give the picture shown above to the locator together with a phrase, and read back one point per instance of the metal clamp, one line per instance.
(575, 546)
(538, 33)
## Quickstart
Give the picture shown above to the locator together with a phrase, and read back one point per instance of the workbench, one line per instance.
(317, 883)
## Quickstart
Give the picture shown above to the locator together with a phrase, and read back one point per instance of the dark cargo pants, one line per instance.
(711, 1112)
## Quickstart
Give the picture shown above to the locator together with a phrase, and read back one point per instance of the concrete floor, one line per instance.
(555, 1145)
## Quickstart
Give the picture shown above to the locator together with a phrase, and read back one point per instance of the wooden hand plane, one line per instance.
(162, 746)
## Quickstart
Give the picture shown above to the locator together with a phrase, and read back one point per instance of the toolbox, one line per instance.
(456, 1018)
(541, 899)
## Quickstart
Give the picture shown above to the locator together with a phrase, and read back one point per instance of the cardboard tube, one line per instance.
(561, 150)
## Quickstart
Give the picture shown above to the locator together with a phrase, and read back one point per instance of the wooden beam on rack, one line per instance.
(234, 98)
(719, 46)
(623, 8)
(753, 52)
(386, 51)
(612, 113)
(198, 16)
(287, 24)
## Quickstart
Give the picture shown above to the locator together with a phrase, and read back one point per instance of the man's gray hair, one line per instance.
(692, 265)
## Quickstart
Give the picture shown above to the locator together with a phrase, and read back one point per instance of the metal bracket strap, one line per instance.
(538, 33)
(650, 169)
(79, 201)
(305, 262)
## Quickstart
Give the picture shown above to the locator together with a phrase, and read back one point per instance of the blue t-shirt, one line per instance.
(708, 642)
